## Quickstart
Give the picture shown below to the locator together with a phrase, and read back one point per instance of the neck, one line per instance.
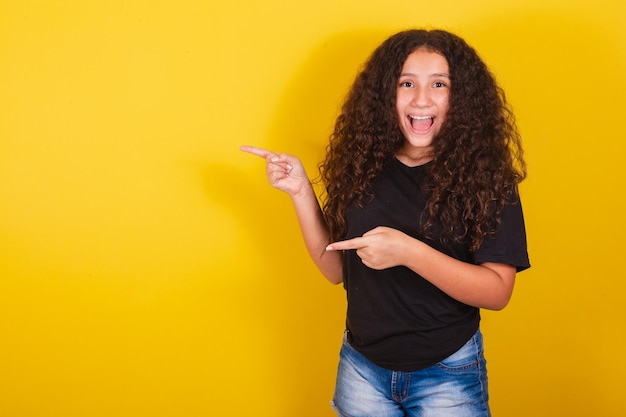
(415, 158)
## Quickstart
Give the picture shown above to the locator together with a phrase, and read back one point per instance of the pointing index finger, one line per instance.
(355, 243)
(263, 153)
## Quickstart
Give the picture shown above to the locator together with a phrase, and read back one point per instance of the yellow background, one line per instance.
(147, 269)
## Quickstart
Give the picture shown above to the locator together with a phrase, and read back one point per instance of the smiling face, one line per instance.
(422, 103)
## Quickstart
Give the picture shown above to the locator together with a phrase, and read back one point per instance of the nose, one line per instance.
(421, 97)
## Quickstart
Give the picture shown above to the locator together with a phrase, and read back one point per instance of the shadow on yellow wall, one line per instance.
(302, 313)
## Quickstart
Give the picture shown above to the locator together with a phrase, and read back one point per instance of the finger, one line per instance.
(263, 153)
(270, 156)
(355, 243)
(274, 166)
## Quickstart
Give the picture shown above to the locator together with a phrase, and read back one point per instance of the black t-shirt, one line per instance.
(395, 318)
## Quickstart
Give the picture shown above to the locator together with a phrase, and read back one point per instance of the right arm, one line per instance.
(286, 173)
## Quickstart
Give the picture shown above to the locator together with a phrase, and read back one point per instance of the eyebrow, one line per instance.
(436, 74)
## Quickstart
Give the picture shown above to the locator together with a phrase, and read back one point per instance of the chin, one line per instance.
(419, 143)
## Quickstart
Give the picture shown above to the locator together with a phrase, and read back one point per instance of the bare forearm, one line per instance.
(316, 236)
(486, 286)
(286, 173)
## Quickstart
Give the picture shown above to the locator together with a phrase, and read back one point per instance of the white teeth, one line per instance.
(421, 117)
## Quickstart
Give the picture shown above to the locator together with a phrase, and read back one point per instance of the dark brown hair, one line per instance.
(478, 159)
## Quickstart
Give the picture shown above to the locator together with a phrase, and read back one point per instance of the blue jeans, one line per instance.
(454, 387)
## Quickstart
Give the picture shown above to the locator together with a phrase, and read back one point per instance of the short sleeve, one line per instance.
(509, 245)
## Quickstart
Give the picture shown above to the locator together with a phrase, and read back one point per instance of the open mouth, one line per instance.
(421, 123)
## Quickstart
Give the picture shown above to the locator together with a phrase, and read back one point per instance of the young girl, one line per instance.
(421, 222)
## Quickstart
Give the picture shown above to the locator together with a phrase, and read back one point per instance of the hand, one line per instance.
(284, 172)
(380, 248)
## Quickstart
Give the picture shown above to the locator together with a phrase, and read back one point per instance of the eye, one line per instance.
(407, 84)
(439, 84)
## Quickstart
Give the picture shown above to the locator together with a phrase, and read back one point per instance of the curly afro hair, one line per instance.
(477, 161)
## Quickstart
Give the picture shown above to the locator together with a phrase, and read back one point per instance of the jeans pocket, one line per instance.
(464, 359)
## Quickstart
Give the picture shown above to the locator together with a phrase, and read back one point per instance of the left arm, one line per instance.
(488, 285)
